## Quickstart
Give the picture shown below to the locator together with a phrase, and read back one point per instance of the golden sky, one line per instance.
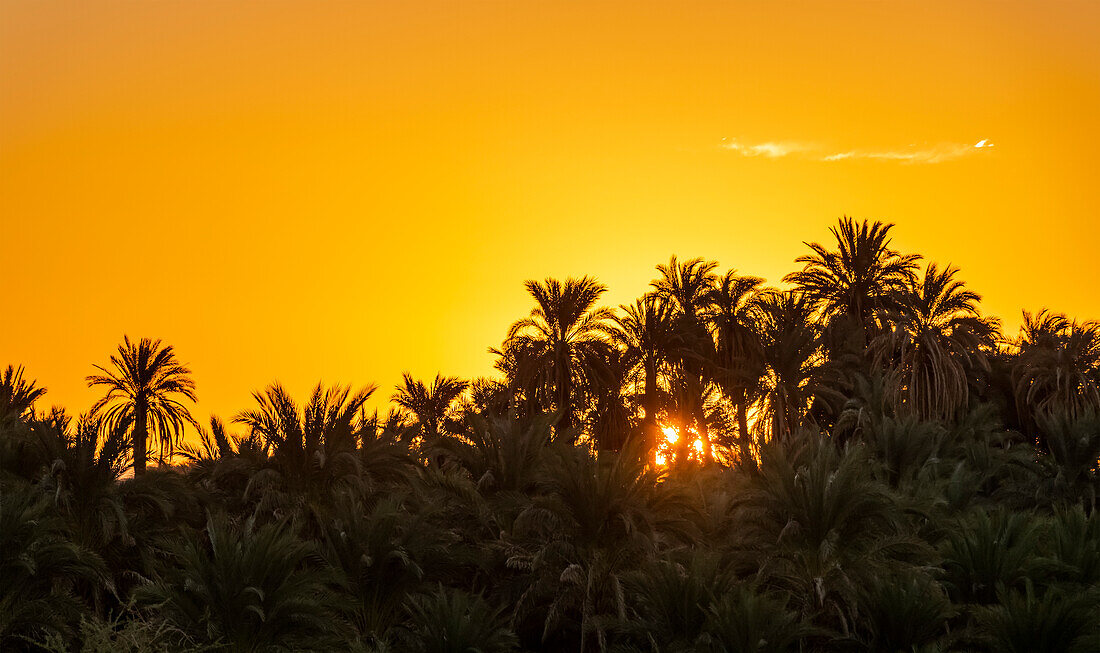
(343, 191)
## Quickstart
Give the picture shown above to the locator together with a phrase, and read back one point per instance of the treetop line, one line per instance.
(862, 462)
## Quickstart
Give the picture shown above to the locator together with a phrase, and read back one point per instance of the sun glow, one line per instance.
(666, 449)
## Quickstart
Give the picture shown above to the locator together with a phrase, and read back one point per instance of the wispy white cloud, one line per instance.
(770, 149)
(936, 154)
(912, 154)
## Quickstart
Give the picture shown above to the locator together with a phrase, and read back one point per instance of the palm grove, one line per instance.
(862, 462)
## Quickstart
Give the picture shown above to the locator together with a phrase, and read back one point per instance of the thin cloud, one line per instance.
(777, 149)
(936, 154)
(770, 149)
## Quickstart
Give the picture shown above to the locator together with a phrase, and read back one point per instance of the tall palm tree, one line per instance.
(433, 406)
(17, 395)
(937, 340)
(1057, 368)
(793, 359)
(863, 277)
(647, 334)
(613, 407)
(146, 387)
(733, 315)
(561, 345)
(687, 285)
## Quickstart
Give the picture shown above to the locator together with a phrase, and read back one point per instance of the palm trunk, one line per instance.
(565, 421)
(701, 426)
(744, 440)
(141, 436)
(649, 424)
(779, 423)
(701, 421)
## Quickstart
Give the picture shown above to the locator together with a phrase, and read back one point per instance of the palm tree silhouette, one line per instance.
(793, 359)
(146, 387)
(936, 341)
(1058, 365)
(733, 316)
(687, 285)
(861, 278)
(17, 395)
(610, 421)
(647, 334)
(561, 345)
(433, 406)
(312, 447)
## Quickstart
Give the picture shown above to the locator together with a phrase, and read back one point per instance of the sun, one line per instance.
(664, 452)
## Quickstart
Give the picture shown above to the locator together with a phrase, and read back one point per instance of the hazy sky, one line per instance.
(343, 191)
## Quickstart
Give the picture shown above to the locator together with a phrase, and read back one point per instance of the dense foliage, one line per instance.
(862, 462)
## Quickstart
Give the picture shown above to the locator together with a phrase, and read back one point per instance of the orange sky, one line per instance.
(345, 191)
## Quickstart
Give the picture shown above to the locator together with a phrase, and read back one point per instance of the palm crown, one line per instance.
(860, 278)
(146, 386)
(938, 338)
(561, 345)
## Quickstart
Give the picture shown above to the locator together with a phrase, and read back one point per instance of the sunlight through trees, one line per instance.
(861, 461)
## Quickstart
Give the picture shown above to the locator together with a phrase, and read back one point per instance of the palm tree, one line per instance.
(793, 359)
(84, 466)
(1073, 445)
(248, 587)
(733, 315)
(903, 612)
(989, 551)
(313, 448)
(17, 395)
(936, 342)
(1058, 365)
(329, 420)
(822, 520)
(39, 566)
(594, 520)
(487, 396)
(146, 387)
(381, 546)
(647, 334)
(432, 406)
(611, 420)
(561, 345)
(1056, 621)
(669, 600)
(502, 454)
(687, 285)
(863, 277)
(453, 621)
(1074, 541)
(745, 620)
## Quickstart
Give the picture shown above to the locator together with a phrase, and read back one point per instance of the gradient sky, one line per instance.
(341, 191)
